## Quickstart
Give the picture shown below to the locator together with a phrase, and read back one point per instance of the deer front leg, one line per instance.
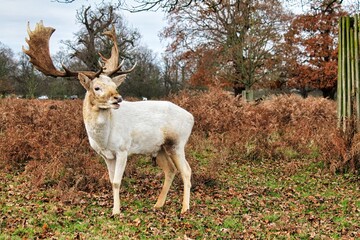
(110, 163)
(121, 159)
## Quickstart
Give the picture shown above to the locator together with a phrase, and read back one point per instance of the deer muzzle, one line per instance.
(117, 100)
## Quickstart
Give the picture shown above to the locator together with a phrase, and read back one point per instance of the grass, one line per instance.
(259, 200)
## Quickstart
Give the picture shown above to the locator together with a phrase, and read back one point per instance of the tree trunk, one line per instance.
(303, 92)
(329, 92)
(238, 89)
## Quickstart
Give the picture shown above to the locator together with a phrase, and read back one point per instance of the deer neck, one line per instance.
(97, 122)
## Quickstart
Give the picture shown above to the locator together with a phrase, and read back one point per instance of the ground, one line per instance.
(299, 199)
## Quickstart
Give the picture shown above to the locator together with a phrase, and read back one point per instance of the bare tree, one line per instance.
(173, 74)
(7, 61)
(90, 40)
(145, 80)
(7, 67)
(29, 81)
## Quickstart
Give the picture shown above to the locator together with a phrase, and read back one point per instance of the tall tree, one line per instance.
(232, 40)
(90, 41)
(145, 81)
(173, 74)
(7, 70)
(312, 41)
(27, 78)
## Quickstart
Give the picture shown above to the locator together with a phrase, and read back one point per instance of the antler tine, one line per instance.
(39, 53)
(125, 71)
(111, 65)
(122, 63)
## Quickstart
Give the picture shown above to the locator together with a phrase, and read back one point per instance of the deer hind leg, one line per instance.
(166, 164)
(178, 157)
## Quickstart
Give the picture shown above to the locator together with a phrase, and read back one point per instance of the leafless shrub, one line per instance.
(47, 139)
(282, 128)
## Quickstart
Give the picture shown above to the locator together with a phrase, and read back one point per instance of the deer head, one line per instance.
(101, 91)
(101, 85)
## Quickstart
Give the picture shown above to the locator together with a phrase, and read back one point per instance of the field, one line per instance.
(278, 169)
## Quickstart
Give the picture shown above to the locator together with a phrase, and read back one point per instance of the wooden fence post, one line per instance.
(348, 88)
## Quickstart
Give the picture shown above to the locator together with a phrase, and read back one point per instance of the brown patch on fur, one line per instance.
(169, 145)
(170, 141)
(170, 138)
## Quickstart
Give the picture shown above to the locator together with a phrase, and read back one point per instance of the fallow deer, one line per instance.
(117, 128)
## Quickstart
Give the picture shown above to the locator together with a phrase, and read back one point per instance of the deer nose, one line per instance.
(118, 98)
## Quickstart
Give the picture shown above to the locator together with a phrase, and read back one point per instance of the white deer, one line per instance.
(116, 128)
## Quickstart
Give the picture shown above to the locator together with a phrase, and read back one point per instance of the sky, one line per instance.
(15, 14)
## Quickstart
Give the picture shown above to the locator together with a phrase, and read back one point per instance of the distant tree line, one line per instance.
(150, 79)
(252, 44)
(233, 44)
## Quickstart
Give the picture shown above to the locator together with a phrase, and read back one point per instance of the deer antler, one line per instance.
(111, 65)
(39, 53)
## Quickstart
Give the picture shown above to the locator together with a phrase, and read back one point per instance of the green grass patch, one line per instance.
(256, 200)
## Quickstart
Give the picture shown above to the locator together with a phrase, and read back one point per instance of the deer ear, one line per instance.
(119, 79)
(84, 80)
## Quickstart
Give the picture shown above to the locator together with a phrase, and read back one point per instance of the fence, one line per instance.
(348, 95)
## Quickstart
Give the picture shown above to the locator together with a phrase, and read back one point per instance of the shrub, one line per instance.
(282, 128)
(47, 139)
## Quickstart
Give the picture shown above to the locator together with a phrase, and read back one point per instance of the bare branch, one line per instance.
(167, 5)
(64, 1)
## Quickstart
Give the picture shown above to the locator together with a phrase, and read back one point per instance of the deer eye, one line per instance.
(96, 88)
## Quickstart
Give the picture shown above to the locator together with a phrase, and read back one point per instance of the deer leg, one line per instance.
(110, 163)
(183, 166)
(166, 164)
(121, 159)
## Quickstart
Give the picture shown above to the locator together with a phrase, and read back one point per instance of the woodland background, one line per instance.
(234, 45)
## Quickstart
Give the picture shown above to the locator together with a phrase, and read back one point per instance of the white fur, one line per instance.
(158, 128)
